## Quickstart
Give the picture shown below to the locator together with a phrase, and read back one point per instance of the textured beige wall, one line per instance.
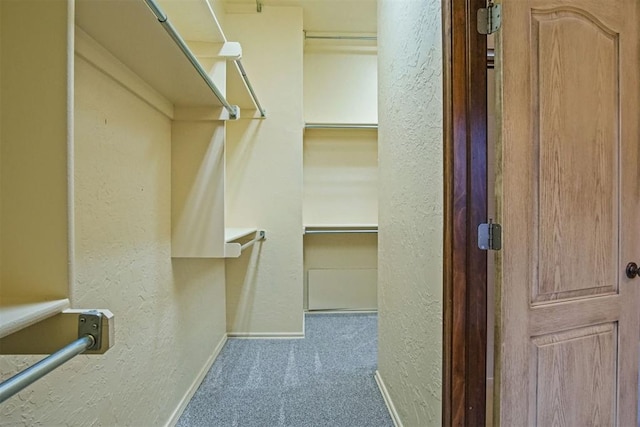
(170, 314)
(341, 176)
(264, 176)
(33, 247)
(411, 207)
(340, 82)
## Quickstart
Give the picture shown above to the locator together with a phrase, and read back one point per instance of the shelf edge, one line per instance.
(24, 316)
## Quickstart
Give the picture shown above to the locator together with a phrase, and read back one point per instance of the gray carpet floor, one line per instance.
(325, 379)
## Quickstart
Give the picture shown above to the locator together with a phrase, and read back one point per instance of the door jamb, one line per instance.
(465, 192)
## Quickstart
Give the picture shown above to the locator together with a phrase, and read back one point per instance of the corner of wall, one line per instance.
(410, 260)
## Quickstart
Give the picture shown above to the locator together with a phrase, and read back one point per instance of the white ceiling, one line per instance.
(330, 16)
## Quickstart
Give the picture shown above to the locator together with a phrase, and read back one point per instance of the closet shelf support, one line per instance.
(234, 111)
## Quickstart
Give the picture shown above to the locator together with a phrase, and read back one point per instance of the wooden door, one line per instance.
(569, 202)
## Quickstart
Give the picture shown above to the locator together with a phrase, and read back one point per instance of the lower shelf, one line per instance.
(16, 315)
(233, 249)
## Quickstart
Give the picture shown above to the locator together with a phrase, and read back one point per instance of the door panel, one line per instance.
(583, 358)
(576, 149)
(569, 201)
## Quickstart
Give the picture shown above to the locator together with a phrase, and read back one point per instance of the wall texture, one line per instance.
(340, 82)
(169, 314)
(341, 176)
(264, 176)
(411, 207)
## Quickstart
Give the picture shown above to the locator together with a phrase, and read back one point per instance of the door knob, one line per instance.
(633, 270)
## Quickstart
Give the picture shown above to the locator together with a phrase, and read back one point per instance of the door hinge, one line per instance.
(490, 236)
(489, 18)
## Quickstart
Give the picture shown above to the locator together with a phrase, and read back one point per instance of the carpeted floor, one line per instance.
(326, 379)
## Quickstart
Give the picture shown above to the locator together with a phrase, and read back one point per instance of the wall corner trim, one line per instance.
(175, 416)
(387, 400)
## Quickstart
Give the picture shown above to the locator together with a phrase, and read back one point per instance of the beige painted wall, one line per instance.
(355, 255)
(340, 176)
(411, 207)
(169, 314)
(264, 176)
(340, 82)
(33, 248)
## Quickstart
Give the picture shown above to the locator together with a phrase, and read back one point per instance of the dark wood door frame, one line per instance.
(465, 168)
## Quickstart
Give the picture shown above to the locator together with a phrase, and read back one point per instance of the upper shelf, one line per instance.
(197, 22)
(232, 234)
(132, 33)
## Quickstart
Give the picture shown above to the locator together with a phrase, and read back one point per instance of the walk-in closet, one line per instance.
(202, 176)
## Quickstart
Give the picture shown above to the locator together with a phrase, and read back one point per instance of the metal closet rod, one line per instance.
(33, 373)
(343, 231)
(261, 235)
(248, 83)
(370, 38)
(341, 126)
(164, 21)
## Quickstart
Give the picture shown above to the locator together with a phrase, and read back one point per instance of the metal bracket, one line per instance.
(490, 236)
(489, 18)
(258, 6)
(90, 323)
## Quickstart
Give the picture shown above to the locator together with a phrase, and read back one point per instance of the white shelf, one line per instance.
(17, 315)
(132, 33)
(233, 234)
(195, 20)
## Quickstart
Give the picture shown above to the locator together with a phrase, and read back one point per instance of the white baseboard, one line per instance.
(387, 400)
(266, 335)
(175, 416)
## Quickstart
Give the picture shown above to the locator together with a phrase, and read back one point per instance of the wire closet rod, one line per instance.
(343, 231)
(341, 126)
(251, 91)
(33, 373)
(164, 21)
(370, 38)
(260, 236)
